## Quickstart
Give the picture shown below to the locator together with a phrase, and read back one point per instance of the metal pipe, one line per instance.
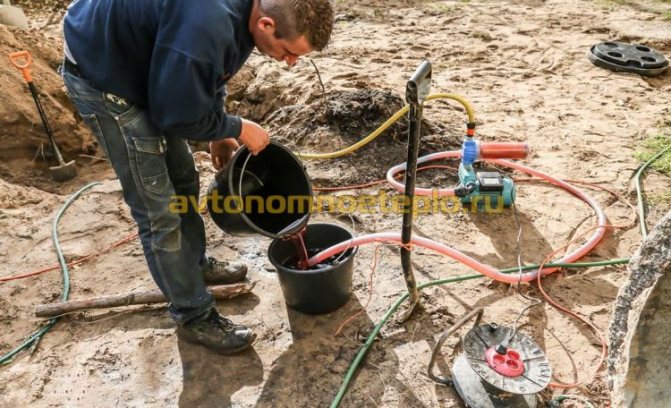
(477, 312)
(406, 231)
(417, 90)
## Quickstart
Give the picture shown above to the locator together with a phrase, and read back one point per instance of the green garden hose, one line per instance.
(556, 401)
(639, 193)
(371, 338)
(35, 337)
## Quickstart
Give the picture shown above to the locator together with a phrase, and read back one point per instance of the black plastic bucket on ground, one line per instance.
(315, 291)
(275, 198)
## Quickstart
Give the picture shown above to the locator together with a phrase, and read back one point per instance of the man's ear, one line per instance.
(266, 25)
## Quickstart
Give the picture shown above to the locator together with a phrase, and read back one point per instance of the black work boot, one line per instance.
(217, 272)
(217, 333)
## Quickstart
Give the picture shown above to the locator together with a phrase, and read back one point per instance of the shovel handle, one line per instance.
(22, 60)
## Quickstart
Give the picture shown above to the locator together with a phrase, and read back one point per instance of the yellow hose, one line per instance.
(377, 132)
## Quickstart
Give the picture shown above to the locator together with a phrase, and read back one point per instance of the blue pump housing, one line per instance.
(469, 151)
(484, 197)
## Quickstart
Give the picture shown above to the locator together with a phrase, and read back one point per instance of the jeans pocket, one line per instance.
(125, 113)
(150, 153)
(92, 122)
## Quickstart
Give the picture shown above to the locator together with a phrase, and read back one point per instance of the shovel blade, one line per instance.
(13, 16)
(65, 172)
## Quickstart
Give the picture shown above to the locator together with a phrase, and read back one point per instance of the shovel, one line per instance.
(63, 171)
(10, 15)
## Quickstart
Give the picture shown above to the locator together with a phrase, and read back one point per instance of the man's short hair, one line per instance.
(294, 18)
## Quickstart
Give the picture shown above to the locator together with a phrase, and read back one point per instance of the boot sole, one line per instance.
(225, 352)
(223, 281)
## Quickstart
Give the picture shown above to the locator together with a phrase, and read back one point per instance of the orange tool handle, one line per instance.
(22, 60)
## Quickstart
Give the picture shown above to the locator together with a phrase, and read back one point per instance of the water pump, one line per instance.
(487, 188)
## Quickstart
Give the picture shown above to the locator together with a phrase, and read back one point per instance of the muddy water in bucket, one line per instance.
(271, 194)
(268, 194)
(302, 254)
(324, 287)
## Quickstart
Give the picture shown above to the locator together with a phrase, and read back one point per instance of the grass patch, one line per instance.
(651, 147)
(661, 199)
(652, 6)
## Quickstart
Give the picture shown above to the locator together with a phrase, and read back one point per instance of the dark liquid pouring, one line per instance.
(300, 258)
(298, 242)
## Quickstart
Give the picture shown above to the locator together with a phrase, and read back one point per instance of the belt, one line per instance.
(72, 68)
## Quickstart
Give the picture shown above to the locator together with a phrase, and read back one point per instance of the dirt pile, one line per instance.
(25, 154)
(307, 118)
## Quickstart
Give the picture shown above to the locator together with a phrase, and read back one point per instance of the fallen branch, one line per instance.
(50, 310)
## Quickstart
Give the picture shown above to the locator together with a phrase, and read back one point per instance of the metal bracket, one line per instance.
(419, 85)
(447, 333)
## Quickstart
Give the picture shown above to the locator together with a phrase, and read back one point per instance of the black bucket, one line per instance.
(320, 290)
(275, 198)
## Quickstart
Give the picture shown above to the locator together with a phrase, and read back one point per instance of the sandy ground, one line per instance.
(522, 65)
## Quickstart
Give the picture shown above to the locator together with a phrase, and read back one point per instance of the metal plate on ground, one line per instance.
(622, 57)
(476, 393)
(537, 370)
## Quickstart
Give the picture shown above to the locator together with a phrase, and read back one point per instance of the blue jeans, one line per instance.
(152, 168)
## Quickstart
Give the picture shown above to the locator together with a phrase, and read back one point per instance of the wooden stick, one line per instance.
(49, 310)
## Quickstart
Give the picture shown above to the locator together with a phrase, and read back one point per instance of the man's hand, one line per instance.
(253, 137)
(222, 151)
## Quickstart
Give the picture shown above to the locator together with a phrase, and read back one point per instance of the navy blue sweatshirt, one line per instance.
(172, 57)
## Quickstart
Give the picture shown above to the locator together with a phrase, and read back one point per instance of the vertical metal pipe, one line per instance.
(415, 114)
(416, 92)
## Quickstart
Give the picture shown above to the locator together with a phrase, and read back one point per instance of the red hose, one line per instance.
(487, 270)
